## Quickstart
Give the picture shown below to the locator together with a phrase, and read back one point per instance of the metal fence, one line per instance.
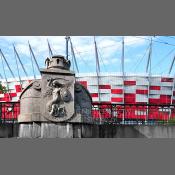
(9, 112)
(133, 114)
(127, 114)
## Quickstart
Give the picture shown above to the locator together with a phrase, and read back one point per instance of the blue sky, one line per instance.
(109, 52)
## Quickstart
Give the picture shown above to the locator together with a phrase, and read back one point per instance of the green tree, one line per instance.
(2, 89)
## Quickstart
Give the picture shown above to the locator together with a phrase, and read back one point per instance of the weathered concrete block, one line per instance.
(77, 130)
(56, 130)
(65, 130)
(25, 130)
(36, 130)
(49, 130)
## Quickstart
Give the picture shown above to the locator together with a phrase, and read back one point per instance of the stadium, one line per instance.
(123, 96)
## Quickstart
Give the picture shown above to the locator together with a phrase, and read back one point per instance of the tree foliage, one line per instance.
(2, 88)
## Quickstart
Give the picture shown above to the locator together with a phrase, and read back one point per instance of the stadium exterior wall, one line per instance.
(113, 88)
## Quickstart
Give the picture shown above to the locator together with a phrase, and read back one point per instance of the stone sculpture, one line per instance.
(57, 97)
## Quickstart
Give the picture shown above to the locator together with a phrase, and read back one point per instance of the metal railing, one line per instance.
(122, 114)
(9, 112)
(133, 114)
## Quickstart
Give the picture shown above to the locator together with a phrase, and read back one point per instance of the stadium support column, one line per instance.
(67, 46)
(173, 87)
(148, 67)
(73, 54)
(8, 90)
(97, 67)
(17, 68)
(50, 50)
(171, 65)
(3, 56)
(97, 72)
(32, 55)
(123, 76)
(19, 59)
(172, 94)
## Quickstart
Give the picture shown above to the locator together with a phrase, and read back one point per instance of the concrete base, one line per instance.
(68, 130)
(9, 130)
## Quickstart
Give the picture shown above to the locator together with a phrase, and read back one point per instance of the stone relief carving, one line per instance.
(60, 93)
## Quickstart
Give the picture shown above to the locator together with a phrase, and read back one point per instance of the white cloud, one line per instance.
(109, 47)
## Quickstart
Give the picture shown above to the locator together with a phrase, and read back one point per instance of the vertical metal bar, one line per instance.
(149, 57)
(33, 55)
(32, 64)
(149, 76)
(19, 59)
(97, 72)
(123, 77)
(73, 54)
(172, 95)
(50, 50)
(8, 90)
(67, 47)
(18, 69)
(7, 64)
(123, 57)
(170, 69)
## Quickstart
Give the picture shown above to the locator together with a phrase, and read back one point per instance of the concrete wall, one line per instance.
(67, 130)
(51, 130)
(9, 130)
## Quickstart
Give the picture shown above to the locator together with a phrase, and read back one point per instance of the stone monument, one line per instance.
(50, 107)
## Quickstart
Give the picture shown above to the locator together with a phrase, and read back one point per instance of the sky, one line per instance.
(109, 51)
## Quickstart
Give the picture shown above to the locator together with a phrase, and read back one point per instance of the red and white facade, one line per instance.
(116, 89)
(130, 89)
(113, 88)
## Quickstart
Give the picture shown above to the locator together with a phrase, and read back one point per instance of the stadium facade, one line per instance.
(112, 88)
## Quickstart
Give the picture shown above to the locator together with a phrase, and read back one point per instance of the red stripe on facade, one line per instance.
(18, 88)
(141, 91)
(13, 94)
(105, 86)
(6, 99)
(154, 101)
(116, 99)
(129, 83)
(94, 95)
(165, 99)
(129, 98)
(117, 91)
(154, 87)
(6, 95)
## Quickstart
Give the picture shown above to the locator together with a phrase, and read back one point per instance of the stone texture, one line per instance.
(56, 130)
(77, 130)
(25, 130)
